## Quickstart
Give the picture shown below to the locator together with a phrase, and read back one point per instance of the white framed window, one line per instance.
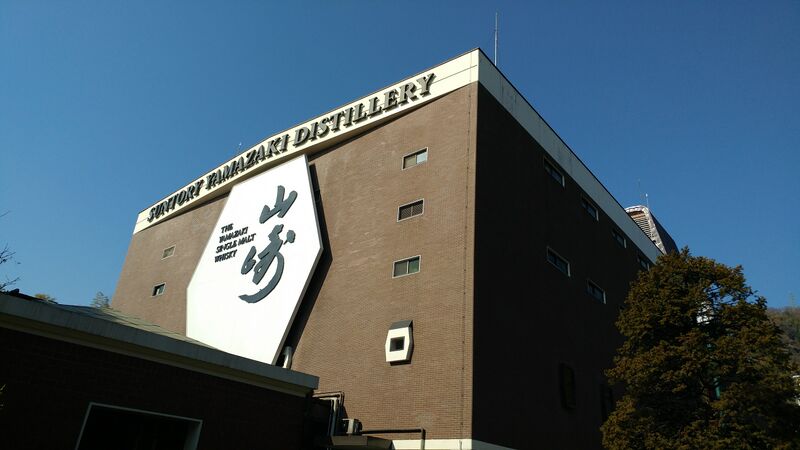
(416, 158)
(595, 291)
(104, 426)
(159, 289)
(554, 173)
(405, 267)
(169, 251)
(410, 210)
(589, 208)
(619, 238)
(399, 342)
(556, 260)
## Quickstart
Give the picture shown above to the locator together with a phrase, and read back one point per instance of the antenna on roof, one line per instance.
(643, 195)
(496, 36)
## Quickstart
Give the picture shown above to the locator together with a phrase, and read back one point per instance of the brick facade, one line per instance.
(49, 384)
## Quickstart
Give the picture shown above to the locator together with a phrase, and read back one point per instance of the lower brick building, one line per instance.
(433, 252)
(91, 379)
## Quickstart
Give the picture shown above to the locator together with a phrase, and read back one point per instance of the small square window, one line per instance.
(589, 208)
(159, 289)
(643, 262)
(411, 210)
(168, 252)
(559, 262)
(406, 267)
(595, 291)
(554, 173)
(415, 158)
(619, 238)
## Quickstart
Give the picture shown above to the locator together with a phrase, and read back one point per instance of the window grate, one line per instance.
(641, 220)
(168, 252)
(410, 210)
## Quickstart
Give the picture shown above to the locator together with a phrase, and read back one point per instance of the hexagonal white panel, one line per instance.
(256, 266)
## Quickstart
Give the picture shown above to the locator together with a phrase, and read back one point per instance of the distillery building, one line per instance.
(433, 252)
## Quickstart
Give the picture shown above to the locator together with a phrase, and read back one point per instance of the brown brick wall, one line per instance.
(144, 268)
(50, 383)
(354, 299)
(529, 317)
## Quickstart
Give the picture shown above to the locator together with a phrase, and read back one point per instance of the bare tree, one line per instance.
(7, 257)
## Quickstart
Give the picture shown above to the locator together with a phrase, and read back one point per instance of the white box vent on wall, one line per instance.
(399, 342)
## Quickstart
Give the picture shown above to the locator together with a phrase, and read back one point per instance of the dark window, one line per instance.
(406, 266)
(410, 210)
(556, 260)
(168, 252)
(643, 262)
(595, 291)
(108, 427)
(398, 343)
(554, 173)
(590, 208)
(415, 158)
(619, 238)
(159, 289)
(606, 401)
(566, 377)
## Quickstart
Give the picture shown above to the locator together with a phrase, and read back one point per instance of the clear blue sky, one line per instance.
(106, 107)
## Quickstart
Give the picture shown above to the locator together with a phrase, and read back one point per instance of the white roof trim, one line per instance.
(50, 320)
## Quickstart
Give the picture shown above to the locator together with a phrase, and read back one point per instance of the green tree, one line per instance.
(788, 319)
(45, 297)
(702, 365)
(100, 300)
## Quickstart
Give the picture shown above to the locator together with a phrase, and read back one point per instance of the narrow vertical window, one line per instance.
(566, 377)
(619, 238)
(415, 158)
(643, 262)
(606, 401)
(554, 173)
